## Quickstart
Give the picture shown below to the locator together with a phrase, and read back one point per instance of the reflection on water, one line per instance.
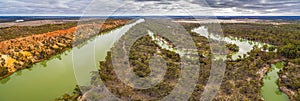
(245, 46)
(270, 91)
(86, 58)
(164, 44)
(44, 63)
(50, 79)
(4, 81)
(42, 82)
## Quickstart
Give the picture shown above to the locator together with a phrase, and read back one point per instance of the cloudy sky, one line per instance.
(150, 7)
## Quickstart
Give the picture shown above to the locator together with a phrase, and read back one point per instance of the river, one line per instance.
(50, 79)
(270, 90)
(244, 45)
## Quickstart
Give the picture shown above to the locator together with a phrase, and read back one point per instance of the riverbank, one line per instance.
(285, 39)
(289, 81)
(270, 90)
(20, 53)
(243, 77)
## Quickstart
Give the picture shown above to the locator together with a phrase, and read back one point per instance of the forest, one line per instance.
(286, 39)
(243, 76)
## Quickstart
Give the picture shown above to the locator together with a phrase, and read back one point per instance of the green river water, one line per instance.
(50, 79)
(270, 90)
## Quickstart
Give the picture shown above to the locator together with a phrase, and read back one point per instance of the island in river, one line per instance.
(244, 74)
(244, 77)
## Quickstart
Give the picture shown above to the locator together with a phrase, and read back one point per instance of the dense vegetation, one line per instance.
(139, 62)
(277, 35)
(290, 81)
(3, 71)
(23, 31)
(232, 47)
(140, 54)
(242, 81)
(243, 77)
(286, 39)
(286, 36)
(73, 97)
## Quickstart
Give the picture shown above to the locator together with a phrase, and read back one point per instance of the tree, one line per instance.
(3, 71)
(233, 47)
(272, 48)
(289, 51)
(265, 47)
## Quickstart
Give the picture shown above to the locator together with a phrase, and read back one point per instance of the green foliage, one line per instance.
(234, 86)
(286, 39)
(271, 48)
(232, 47)
(278, 35)
(265, 47)
(290, 51)
(296, 61)
(290, 79)
(140, 54)
(73, 97)
(243, 77)
(3, 71)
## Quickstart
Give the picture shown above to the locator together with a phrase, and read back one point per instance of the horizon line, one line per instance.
(153, 15)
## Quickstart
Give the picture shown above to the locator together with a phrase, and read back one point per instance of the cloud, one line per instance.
(151, 7)
(259, 6)
(42, 6)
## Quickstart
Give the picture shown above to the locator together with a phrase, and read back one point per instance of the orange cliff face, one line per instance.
(16, 54)
(9, 45)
